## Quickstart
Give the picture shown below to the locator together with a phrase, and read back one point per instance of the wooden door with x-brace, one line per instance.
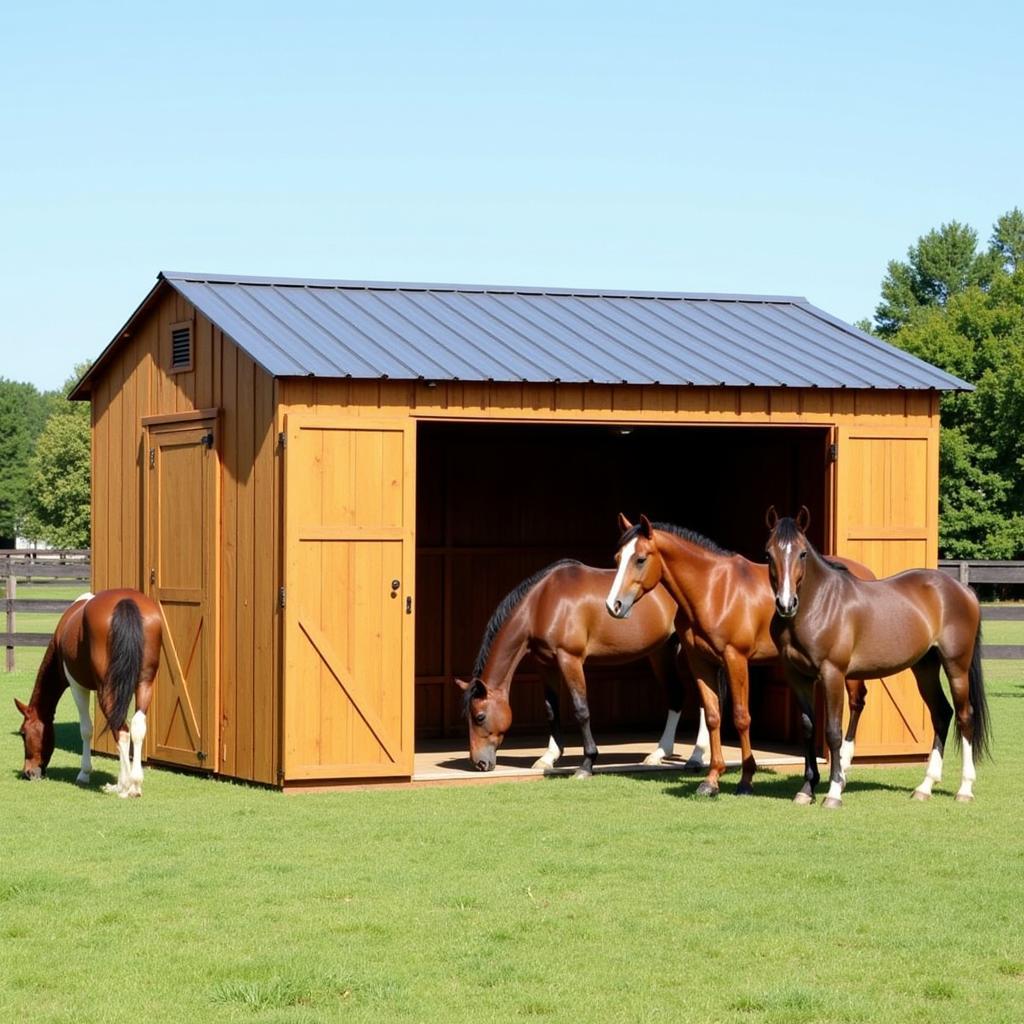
(181, 558)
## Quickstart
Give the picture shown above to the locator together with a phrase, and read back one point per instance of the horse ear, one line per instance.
(803, 518)
(771, 517)
(23, 708)
(478, 689)
(624, 524)
(645, 527)
(462, 684)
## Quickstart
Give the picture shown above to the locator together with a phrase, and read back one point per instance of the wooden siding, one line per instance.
(136, 383)
(891, 486)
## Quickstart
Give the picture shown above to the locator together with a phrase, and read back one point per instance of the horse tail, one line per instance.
(979, 702)
(125, 664)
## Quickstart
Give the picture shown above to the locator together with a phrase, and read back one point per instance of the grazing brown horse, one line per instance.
(725, 609)
(831, 625)
(557, 616)
(108, 643)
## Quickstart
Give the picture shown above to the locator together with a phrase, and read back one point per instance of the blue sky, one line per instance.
(787, 148)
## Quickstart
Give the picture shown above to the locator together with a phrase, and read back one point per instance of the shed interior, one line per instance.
(497, 502)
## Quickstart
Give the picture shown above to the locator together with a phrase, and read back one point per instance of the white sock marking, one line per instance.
(625, 557)
(967, 780)
(846, 755)
(933, 773)
(551, 755)
(138, 735)
(81, 695)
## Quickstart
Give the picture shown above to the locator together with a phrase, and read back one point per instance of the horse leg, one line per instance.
(835, 690)
(556, 745)
(957, 671)
(664, 666)
(81, 695)
(143, 694)
(572, 671)
(926, 673)
(703, 670)
(804, 690)
(739, 688)
(856, 693)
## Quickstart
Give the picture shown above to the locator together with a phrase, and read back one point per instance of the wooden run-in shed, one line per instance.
(329, 485)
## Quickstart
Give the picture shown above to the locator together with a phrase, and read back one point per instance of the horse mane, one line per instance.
(505, 608)
(679, 531)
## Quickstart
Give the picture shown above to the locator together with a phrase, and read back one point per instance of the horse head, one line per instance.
(489, 716)
(639, 566)
(38, 737)
(787, 549)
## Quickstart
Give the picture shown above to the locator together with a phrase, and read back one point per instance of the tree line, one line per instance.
(960, 306)
(45, 464)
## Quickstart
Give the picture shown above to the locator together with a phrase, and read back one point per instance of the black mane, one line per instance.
(787, 532)
(504, 609)
(679, 531)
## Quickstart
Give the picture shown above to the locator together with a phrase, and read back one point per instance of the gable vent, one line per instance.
(181, 348)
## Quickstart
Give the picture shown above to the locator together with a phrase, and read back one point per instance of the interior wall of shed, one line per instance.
(497, 502)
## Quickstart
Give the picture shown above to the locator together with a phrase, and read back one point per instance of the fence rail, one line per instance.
(74, 564)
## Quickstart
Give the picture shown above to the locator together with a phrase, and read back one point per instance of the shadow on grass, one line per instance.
(766, 784)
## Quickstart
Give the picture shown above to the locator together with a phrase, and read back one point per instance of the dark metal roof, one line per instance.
(294, 327)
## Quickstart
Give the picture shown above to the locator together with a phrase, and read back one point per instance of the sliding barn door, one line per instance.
(887, 518)
(181, 552)
(348, 599)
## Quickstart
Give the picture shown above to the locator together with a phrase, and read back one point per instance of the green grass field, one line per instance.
(618, 899)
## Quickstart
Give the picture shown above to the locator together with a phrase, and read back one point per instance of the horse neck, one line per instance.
(508, 647)
(818, 576)
(685, 570)
(50, 684)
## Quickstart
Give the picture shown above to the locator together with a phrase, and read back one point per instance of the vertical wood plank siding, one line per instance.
(135, 383)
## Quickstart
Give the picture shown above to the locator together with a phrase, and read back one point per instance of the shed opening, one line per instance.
(498, 502)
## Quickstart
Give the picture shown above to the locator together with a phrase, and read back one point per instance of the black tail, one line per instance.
(979, 702)
(125, 653)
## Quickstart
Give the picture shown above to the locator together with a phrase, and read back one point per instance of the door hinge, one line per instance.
(280, 598)
(152, 575)
(408, 606)
(207, 440)
(282, 440)
(833, 453)
(152, 457)
(201, 755)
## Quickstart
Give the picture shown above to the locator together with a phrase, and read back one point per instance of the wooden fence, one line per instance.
(70, 565)
(63, 566)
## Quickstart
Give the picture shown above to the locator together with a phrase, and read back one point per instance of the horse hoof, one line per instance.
(694, 767)
(542, 765)
(82, 780)
(803, 799)
(964, 798)
(111, 787)
(832, 803)
(706, 789)
(655, 757)
(582, 773)
(744, 789)
(920, 794)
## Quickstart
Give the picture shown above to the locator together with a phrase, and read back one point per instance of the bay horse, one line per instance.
(108, 643)
(557, 616)
(831, 625)
(725, 609)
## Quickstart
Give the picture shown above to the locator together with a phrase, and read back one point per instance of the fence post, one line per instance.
(12, 584)
(965, 573)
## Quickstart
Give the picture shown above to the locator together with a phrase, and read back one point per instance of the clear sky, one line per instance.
(788, 148)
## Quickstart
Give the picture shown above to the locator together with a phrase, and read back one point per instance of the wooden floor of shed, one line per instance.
(441, 760)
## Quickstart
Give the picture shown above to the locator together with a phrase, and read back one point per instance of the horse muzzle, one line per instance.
(32, 774)
(620, 608)
(787, 611)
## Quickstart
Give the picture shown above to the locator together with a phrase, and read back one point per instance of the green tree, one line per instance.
(23, 411)
(975, 331)
(57, 509)
(941, 264)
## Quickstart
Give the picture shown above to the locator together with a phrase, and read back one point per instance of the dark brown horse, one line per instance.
(110, 644)
(557, 616)
(830, 626)
(725, 609)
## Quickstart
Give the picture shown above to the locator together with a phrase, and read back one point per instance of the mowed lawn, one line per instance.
(619, 899)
